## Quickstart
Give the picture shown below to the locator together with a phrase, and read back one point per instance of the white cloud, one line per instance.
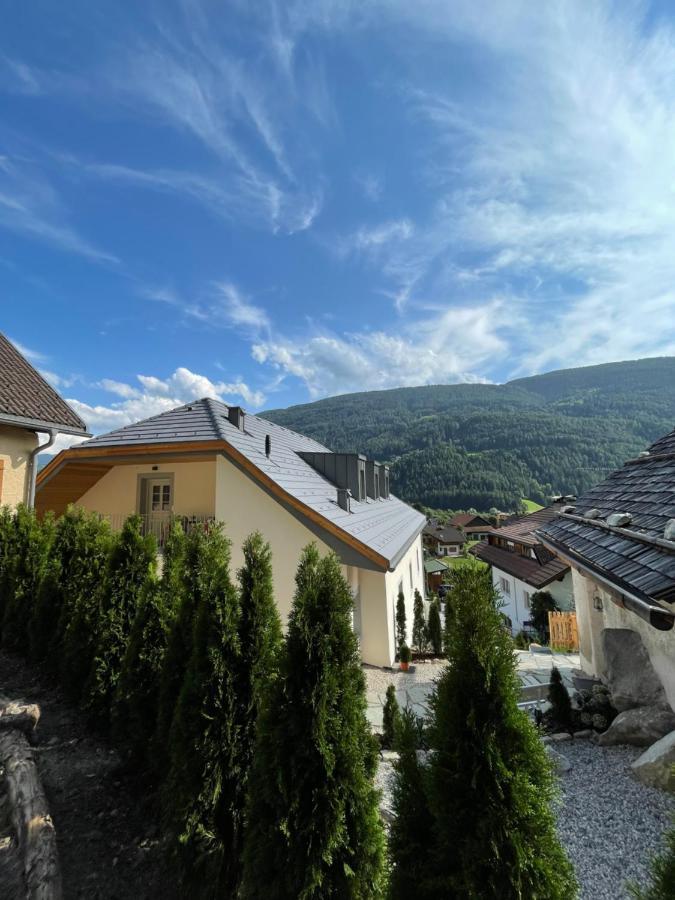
(239, 311)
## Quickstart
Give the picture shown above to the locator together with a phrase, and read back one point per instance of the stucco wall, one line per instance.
(410, 574)
(15, 447)
(660, 645)
(514, 603)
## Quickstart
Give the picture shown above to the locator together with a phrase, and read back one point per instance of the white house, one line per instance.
(442, 540)
(206, 461)
(522, 565)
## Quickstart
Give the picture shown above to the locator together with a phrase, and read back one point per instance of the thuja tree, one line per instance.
(401, 636)
(541, 604)
(24, 568)
(662, 876)
(314, 829)
(419, 631)
(488, 786)
(560, 713)
(434, 629)
(202, 791)
(131, 564)
(391, 717)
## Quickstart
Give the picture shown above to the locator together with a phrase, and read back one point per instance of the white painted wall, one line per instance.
(515, 604)
(15, 448)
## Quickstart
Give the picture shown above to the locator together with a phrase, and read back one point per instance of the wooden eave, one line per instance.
(71, 473)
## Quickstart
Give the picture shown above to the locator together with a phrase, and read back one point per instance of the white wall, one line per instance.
(15, 447)
(412, 560)
(514, 603)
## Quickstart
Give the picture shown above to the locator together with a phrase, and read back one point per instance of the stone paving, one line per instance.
(413, 688)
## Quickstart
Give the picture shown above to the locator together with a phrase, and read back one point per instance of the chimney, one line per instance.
(236, 416)
(384, 481)
(373, 486)
(344, 496)
(268, 445)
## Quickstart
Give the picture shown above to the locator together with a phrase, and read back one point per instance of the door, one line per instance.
(156, 507)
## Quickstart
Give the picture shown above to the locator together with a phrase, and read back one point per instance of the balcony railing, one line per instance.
(159, 524)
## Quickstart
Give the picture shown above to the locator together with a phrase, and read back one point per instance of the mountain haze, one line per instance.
(483, 445)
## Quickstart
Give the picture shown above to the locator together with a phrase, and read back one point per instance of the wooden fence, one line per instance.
(563, 631)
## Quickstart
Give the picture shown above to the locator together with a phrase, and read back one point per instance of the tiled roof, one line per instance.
(433, 566)
(446, 534)
(386, 526)
(528, 570)
(522, 530)
(26, 397)
(644, 488)
(470, 519)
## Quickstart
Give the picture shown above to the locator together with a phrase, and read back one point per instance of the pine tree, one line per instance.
(401, 630)
(488, 785)
(662, 880)
(314, 829)
(419, 632)
(391, 718)
(202, 792)
(130, 566)
(434, 628)
(560, 713)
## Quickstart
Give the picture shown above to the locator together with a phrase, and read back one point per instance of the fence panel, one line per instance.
(563, 630)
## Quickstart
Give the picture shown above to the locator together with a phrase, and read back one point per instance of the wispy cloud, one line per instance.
(18, 77)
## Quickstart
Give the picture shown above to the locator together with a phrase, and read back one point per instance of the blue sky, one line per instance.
(272, 202)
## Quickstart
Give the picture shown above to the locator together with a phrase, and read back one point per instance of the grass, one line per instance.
(531, 506)
(454, 562)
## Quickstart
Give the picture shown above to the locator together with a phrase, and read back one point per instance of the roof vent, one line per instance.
(567, 509)
(643, 454)
(619, 520)
(188, 408)
(594, 514)
(669, 530)
(236, 415)
(268, 445)
(344, 496)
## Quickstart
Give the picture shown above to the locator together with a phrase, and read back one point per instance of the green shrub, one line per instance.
(521, 641)
(391, 717)
(131, 563)
(314, 829)
(419, 632)
(434, 627)
(541, 604)
(401, 636)
(404, 654)
(559, 717)
(488, 785)
(662, 874)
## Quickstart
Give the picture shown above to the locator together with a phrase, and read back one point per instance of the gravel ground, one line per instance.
(609, 822)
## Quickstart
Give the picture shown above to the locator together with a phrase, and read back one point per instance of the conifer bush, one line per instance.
(131, 563)
(391, 717)
(488, 785)
(201, 796)
(560, 714)
(419, 631)
(314, 829)
(662, 875)
(434, 628)
(401, 629)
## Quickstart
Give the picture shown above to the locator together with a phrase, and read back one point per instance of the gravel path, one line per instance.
(609, 822)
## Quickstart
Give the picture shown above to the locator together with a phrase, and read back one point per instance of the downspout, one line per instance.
(32, 466)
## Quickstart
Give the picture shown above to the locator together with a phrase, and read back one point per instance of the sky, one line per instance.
(274, 201)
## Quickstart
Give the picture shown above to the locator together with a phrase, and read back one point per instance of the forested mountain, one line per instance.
(481, 445)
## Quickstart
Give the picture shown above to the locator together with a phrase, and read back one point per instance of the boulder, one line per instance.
(655, 766)
(639, 727)
(631, 678)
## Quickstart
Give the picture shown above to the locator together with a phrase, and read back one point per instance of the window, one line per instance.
(526, 599)
(410, 571)
(505, 586)
(418, 560)
(362, 484)
(377, 485)
(160, 500)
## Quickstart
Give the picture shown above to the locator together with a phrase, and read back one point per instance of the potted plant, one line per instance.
(404, 657)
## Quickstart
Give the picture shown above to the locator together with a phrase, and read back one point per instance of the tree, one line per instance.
(201, 793)
(419, 632)
(391, 717)
(488, 785)
(560, 712)
(401, 630)
(314, 829)
(434, 628)
(131, 564)
(541, 604)
(662, 880)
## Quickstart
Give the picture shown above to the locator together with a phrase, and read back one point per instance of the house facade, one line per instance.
(521, 565)
(29, 406)
(442, 540)
(207, 461)
(619, 539)
(475, 527)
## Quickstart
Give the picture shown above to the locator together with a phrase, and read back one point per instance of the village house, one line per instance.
(29, 406)
(619, 538)
(522, 565)
(442, 540)
(475, 527)
(207, 461)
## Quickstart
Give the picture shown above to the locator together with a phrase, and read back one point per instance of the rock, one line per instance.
(639, 727)
(583, 734)
(655, 766)
(561, 763)
(561, 736)
(631, 678)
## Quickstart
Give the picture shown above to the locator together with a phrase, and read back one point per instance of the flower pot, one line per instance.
(404, 666)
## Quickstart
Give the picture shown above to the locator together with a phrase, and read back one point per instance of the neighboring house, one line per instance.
(28, 406)
(442, 540)
(619, 538)
(205, 460)
(522, 565)
(435, 570)
(475, 527)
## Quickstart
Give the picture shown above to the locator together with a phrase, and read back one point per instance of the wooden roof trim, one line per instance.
(83, 452)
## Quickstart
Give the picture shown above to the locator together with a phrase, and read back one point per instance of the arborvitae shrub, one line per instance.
(201, 794)
(541, 603)
(314, 829)
(419, 631)
(131, 564)
(391, 717)
(488, 784)
(559, 715)
(662, 875)
(401, 635)
(25, 566)
(6, 533)
(434, 628)
(81, 581)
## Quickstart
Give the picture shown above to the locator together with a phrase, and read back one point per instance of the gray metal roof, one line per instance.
(386, 526)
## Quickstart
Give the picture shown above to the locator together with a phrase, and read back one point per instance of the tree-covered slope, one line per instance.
(483, 445)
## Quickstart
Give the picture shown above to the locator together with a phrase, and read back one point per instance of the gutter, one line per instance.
(32, 466)
(39, 425)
